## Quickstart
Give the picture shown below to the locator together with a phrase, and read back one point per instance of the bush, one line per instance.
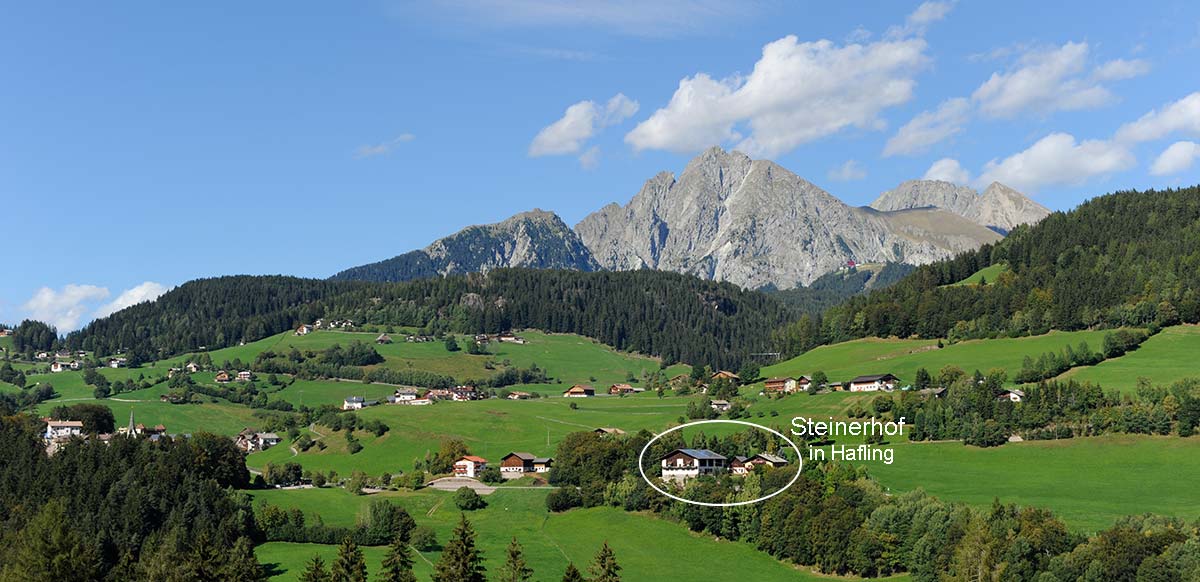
(491, 475)
(467, 499)
(563, 499)
(424, 539)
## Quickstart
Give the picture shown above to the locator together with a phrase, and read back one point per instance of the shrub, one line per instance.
(467, 499)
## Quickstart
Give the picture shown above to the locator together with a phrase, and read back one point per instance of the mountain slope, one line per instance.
(754, 223)
(1124, 259)
(999, 207)
(535, 239)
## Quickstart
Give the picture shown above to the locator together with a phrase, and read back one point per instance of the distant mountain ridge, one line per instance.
(727, 217)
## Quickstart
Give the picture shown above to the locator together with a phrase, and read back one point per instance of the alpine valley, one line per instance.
(727, 217)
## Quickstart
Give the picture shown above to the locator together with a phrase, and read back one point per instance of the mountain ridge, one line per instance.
(728, 217)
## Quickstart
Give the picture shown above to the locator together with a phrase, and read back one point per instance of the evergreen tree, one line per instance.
(350, 566)
(49, 548)
(515, 568)
(242, 566)
(398, 564)
(572, 574)
(315, 571)
(605, 568)
(461, 561)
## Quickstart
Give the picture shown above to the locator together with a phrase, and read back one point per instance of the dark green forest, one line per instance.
(833, 288)
(1125, 259)
(677, 317)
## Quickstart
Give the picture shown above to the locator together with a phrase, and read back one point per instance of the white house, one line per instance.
(245, 376)
(1011, 395)
(469, 466)
(420, 402)
(721, 405)
(353, 403)
(402, 397)
(304, 329)
(683, 464)
(874, 383)
(57, 367)
(117, 363)
(62, 429)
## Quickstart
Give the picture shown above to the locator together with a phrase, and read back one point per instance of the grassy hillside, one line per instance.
(549, 540)
(1168, 356)
(1088, 482)
(987, 274)
(903, 357)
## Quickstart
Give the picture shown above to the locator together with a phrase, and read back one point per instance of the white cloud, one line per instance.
(1182, 115)
(1177, 158)
(590, 159)
(1121, 69)
(580, 123)
(948, 170)
(920, 19)
(851, 170)
(859, 34)
(1058, 159)
(798, 92)
(66, 308)
(148, 291)
(366, 151)
(1049, 80)
(929, 127)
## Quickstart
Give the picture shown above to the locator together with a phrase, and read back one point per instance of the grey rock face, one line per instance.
(535, 239)
(754, 223)
(999, 207)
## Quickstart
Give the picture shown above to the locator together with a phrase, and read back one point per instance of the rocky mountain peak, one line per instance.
(999, 208)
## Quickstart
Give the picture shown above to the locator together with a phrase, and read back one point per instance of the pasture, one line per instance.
(1164, 358)
(642, 543)
(984, 275)
(903, 357)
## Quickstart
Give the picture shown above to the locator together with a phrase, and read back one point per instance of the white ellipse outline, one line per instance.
(799, 462)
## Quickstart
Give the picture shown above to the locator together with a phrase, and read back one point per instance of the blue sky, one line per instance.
(144, 144)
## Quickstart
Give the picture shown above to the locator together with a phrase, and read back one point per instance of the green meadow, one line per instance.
(1088, 482)
(903, 357)
(1164, 358)
(984, 275)
(550, 541)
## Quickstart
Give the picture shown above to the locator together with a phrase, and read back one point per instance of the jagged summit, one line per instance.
(731, 218)
(999, 208)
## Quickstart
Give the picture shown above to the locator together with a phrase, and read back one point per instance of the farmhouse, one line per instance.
(57, 367)
(579, 391)
(383, 339)
(683, 464)
(516, 464)
(245, 376)
(221, 377)
(5, 332)
(251, 441)
(510, 338)
(786, 385)
(518, 395)
(1011, 395)
(746, 465)
(304, 329)
(192, 367)
(420, 402)
(117, 363)
(465, 393)
(608, 430)
(357, 402)
(619, 389)
(402, 396)
(873, 383)
(721, 405)
(469, 466)
(726, 375)
(62, 429)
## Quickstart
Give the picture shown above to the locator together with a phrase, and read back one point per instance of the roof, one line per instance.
(873, 377)
(268, 436)
(720, 402)
(522, 456)
(473, 459)
(609, 430)
(771, 458)
(1017, 392)
(65, 423)
(780, 379)
(543, 460)
(354, 399)
(697, 454)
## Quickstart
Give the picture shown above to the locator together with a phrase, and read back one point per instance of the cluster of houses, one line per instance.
(867, 383)
(680, 465)
(63, 363)
(306, 329)
(412, 397)
(252, 441)
(190, 368)
(512, 466)
(59, 432)
(504, 337)
(223, 377)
